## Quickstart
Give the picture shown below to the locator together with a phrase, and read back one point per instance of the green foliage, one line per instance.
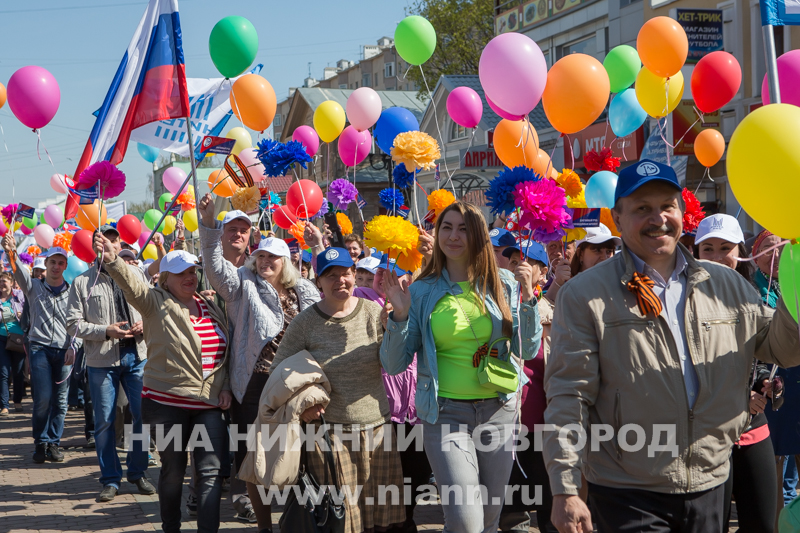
(463, 28)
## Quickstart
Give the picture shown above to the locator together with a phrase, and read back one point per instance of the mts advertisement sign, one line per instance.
(599, 136)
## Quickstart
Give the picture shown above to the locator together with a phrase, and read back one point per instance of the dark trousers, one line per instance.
(644, 511)
(174, 459)
(754, 483)
(416, 472)
(12, 371)
(514, 517)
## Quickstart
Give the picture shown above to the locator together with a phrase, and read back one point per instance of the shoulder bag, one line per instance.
(13, 340)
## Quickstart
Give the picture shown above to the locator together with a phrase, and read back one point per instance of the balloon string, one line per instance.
(571, 153)
(438, 129)
(328, 167)
(4, 136)
(38, 142)
(450, 178)
(605, 134)
(416, 207)
(233, 94)
(706, 173)
(550, 161)
(765, 252)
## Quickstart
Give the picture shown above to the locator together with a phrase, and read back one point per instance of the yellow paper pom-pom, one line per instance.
(246, 199)
(577, 201)
(570, 182)
(344, 223)
(391, 234)
(297, 231)
(63, 240)
(416, 150)
(438, 200)
(608, 220)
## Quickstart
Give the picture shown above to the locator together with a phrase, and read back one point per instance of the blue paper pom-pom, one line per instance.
(500, 195)
(278, 157)
(391, 199)
(402, 177)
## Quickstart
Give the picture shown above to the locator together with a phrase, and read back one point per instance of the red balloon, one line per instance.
(129, 228)
(82, 246)
(283, 217)
(304, 198)
(715, 81)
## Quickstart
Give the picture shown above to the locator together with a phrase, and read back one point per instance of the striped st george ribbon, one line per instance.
(642, 287)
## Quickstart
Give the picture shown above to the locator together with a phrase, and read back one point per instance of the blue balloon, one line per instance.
(392, 122)
(600, 189)
(148, 153)
(625, 115)
(75, 267)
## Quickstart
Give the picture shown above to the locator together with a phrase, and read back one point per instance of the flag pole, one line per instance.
(167, 210)
(768, 35)
(194, 184)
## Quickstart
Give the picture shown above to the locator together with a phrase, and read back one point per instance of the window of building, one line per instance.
(388, 70)
(277, 120)
(376, 79)
(458, 132)
(623, 3)
(343, 86)
(365, 79)
(587, 45)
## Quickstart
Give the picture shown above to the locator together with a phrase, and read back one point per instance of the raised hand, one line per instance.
(397, 292)
(9, 245)
(206, 207)
(523, 273)
(104, 247)
(425, 245)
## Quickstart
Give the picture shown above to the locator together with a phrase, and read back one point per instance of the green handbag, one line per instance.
(496, 374)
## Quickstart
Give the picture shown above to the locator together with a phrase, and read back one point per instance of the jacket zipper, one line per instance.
(617, 423)
(689, 453)
(710, 323)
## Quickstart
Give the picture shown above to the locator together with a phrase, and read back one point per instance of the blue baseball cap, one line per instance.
(645, 171)
(531, 249)
(391, 264)
(502, 237)
(332, 257)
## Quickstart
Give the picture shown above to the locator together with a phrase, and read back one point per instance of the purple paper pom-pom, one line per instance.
(341, 192)
(26, 258)
(323, 210)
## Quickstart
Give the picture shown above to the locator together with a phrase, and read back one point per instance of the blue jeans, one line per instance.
(789, 479)
(104, 386)
(12, 366)
(50, 385)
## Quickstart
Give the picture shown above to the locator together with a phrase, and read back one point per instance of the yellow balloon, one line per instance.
(651, 91)
(242, 138)
(770, 133)
(329, 119)
(190, 220)
(150, 252)
(169, 225)
(221, 215)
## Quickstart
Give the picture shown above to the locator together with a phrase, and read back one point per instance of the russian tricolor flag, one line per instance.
(150, 85)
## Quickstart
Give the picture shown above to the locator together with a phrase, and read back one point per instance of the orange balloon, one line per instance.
(553, 173)
(221, 184)
(253, 101)
(709, 147)
(662, 46)
(88, 214)
(576, 92)
(516, 143)
(2, 95)
(543, 167)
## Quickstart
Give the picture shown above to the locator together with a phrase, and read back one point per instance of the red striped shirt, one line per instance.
(213, 344)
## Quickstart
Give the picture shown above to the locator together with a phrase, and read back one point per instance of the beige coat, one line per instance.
(294, 385)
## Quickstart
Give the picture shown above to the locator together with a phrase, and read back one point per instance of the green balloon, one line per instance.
(415, 39)
(30, 223)
(622, 65)
(163, 201)
(789, 275)
(41, 219)
(233, 45)
(151, 218)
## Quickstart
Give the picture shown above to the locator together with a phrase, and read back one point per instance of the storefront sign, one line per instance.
(594, 138)
(703, 28)
(686, 127)
(534, 12)
(508, 20)
(479, 158)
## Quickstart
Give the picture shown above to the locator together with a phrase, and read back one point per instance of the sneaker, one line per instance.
(73, 408)
(108, 493)
(144, 486)
(151, 461)
(191, 506)
(248, 515)
(18, 407)
(40, 454)
(226, 484)
(54, 453)
(3, 412)
(90, 443)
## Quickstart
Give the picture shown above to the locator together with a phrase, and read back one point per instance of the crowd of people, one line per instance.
(656, 348)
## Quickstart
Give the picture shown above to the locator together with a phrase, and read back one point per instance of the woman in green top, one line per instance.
(11, 363)
(460, 305)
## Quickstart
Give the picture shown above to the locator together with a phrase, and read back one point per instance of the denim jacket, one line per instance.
(403, 339)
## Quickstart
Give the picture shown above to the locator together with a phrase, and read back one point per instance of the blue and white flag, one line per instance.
(780, 12)
(210, 107)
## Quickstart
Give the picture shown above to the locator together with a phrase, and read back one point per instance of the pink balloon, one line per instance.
(501, 113)
(309, 138)
(58, 184)
(363, 108)
(465, 107)
(53, 216)
(3, 228)
(43, 235)
(513, 72)
(788, 78)
(25, 230)
(143, 238)
(33, 96)
(354, 146)
(173, 178)
(254, 166)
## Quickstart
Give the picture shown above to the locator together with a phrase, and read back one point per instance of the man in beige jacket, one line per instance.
(647, 380)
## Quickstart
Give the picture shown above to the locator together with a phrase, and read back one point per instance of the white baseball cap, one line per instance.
(177, 261)
(39, 263)
(721, 226)
(233, 215)
(599, 235)
(370, 264)
(275, 246)
(56, 250)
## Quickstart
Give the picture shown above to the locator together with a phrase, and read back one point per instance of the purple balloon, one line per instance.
(513, 73)
(309, 138)
(354, 146)
(465, 107)
(33, 96)
(788, 78)
(503, 114)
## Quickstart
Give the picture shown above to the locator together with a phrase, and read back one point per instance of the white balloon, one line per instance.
(58, 184)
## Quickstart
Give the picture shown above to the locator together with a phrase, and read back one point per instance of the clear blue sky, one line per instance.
(81, 42)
